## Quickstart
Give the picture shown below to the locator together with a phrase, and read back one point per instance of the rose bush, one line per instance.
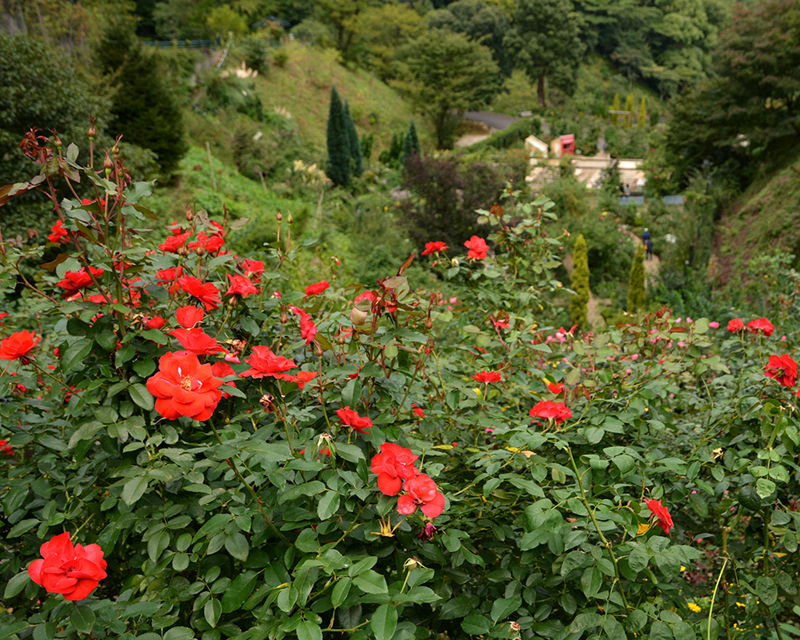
(205, 459)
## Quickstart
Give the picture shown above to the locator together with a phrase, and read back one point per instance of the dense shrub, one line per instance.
(579, 283)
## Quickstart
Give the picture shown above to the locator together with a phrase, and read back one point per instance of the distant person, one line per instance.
(647, 241)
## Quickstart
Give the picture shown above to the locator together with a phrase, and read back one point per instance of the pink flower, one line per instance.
(714, 324)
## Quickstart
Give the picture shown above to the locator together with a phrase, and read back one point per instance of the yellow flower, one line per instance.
(683, 568)
(643, 528)
(741, 604)
(694, 607)
(477, 391)
(717, 453)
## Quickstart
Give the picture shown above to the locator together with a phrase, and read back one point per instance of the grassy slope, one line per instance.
(303, 88)
(764, 219)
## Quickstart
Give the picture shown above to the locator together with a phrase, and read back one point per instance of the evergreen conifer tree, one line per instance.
(145, 110)
(636, 292)
(339, 157)
(615, 107)
(629, 104)
(642, 114)
(579, 303)
(356, 157)
(411, 144)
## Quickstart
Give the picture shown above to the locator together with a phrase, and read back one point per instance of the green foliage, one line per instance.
(636, 283)
(641, 120)
(512, 136)
(356, 157)
(629, 102)
(339, 165)
(393, 156)
(578, 304)
(367, 142)
(449, 73)
(227, 91)
(223, 20)
(544, 41)
(255, 52)
(145, 111)
(410, 142)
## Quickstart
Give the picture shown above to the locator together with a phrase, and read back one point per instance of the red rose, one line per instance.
(555, 387)
(434, 247)
(72, 571)
(75, 280)
(763, 325)
(477, 248)
(240, 286)
(197, 341)
(170, 277)
(175, 241)
(393, 465)
(660, 512)
(303, 377)
(58, 233)
(352, 419)
(783, 369)
(308, 330)
(211, 244)
(549, 409)
(223, 370)
(6, 448)
(487, 376)
(184, 387)
(421, 492)
(252, 269)
(317, 288)
(156, 322)
(206, 293)
(418, 412)
(367, 295)
(18, 345)
(735, 325)
(189, 316)
(265, 364)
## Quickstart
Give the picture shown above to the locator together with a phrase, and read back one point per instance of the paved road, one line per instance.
(495, 120)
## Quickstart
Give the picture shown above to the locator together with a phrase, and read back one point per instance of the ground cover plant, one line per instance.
(196, 447)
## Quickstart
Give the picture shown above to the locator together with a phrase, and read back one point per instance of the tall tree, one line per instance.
(449, 74)
(545, 42)
(411, 144)
(146, 111)
(642, 119)
(629, 102)
(338, 166)
(636, 291)
(356, 157)
(579, 303)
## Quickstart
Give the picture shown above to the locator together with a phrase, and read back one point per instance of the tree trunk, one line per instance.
(540, 90)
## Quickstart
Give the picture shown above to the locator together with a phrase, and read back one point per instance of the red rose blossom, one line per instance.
(240, 286)
(783, 369)
(487, 376)
(304, 377)
(58, 233)
(184, 387)
(763, 325)
(549, 409)
(18, 345)
(393, 465)
(5, 448)
(197, 341)
(735, 325)
(477, 248)
(206, 292)
(421, 492)
(434, 247)
(352, 419)
(660, 512)
(308, 330)
(418, 411)
(317, 288)
(75, 280)
(223, 370)
(253, 269)
(175, 241)
(189, 316)
(170, 277)
(555, 387)
(265, 364)
(71, 571)
(156, 322)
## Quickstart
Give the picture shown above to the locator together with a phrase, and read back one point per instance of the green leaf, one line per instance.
(328, 505)
(237, 546)
(134, 489)
(476, 625)
(308, 630)
(22, 526)
(767, 590)
(591, 581)
(683, 631)
(212, 611)
(573, 560)
(142, 397)
(371, 582)
(86, 431)
(614, 629)
(45, 631)
(82, 618)
(384, 621)
(179, 633)
(660, 631)
(238, 591)
(12, 628)
(340, 591)
(504, 607)
(16, 584)
(75, 354)
(638, 560)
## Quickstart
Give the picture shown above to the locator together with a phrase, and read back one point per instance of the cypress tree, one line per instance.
(356, 157)
(642, 114)
(615, 107)
(579, 303)
(629, 104)
(411, 144)
(338, 165)
(636, 293)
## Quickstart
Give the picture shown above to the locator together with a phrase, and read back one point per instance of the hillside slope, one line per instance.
(764, 219)
(303, 86)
